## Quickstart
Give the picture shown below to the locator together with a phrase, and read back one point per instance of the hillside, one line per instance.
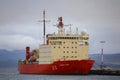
(110, 60)
(10, 58)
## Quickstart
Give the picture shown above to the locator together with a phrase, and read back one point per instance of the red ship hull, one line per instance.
(58, 67)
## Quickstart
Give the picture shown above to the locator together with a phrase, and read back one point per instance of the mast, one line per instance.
(44, 25)
(44, 29)
(61, 25)
(102, 59)
(102, 56)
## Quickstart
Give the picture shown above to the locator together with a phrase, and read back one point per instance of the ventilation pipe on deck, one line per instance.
(27, 53)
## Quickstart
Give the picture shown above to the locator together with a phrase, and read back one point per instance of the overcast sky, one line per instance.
(19, 24)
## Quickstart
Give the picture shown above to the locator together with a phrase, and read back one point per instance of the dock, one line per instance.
(105, 72)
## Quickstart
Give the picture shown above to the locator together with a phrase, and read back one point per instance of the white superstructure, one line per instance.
(63, 46)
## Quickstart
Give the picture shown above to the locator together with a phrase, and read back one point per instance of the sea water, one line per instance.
(13, 74)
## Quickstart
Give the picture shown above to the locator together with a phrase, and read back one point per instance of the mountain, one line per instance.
(10, 58)
(110, 60)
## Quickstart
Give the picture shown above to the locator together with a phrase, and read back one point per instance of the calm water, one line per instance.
(12, 74)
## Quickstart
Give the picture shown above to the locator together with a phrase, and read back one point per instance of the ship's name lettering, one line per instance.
(64, 64)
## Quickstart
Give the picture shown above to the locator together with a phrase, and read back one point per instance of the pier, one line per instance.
(105, 72)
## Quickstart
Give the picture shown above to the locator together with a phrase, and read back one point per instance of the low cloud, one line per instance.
(19, 42)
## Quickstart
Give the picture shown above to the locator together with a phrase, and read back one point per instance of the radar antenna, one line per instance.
(60, 26)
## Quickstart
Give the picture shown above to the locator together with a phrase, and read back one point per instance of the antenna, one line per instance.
(76, 30)
(60, 26)
(44, 21)
(70, 28)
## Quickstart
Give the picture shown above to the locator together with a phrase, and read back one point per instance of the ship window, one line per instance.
(86, 43)
(75, 56)
(59, 47)
(85, 38)
(81, 43)
(75, 51)
(63, 51)
(67, 51)
(67, 47)
(64, 47)
(75, 47)
(72, 51)
(72, 42)
(60, 43)
(64, 42)
(72, 47)
(75, 42)
(54, 46)
(71, 56)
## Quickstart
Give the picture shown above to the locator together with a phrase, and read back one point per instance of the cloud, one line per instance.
(19, 26)
(14, 42)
